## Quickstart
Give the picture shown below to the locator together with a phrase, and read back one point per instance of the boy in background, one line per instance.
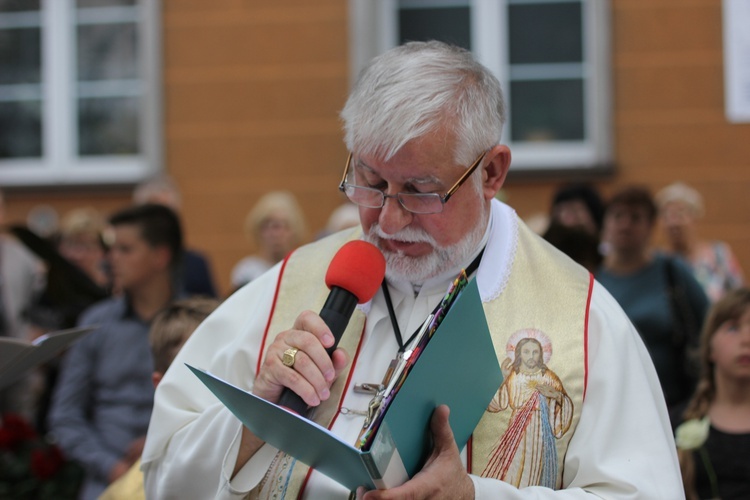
(169, 331)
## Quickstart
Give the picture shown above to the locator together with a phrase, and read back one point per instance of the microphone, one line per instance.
(353, 276)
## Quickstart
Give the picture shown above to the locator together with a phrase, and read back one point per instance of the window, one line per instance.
(78, 91)
(551, 57)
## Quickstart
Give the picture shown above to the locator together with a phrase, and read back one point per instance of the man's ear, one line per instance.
(156, 378)
(163, 256)
(496, 165)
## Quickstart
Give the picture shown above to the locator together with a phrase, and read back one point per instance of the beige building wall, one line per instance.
(252, 91)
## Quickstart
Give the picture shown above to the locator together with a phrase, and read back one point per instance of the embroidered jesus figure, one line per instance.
(541, 412)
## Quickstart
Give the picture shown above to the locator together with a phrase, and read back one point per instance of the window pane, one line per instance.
(104, 3)
(19, 5)
(107, 52)
(20, 55)
(545, 33)
(21, 126)
(108, 126)
(448, 24)
(547, 110)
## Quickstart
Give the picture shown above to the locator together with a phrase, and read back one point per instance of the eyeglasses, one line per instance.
(418, 203)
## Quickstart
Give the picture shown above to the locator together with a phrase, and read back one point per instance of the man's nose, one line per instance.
(393, 217)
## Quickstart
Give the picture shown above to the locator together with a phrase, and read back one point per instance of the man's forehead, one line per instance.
(127, 231)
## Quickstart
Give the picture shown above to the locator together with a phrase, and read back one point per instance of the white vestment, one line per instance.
(621, 448)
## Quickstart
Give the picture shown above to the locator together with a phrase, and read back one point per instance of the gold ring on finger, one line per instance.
(289, 357)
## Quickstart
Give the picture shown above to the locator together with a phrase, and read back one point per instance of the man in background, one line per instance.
(195, 274)
(103, 399)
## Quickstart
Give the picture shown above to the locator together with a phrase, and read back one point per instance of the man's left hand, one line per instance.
(443, 476)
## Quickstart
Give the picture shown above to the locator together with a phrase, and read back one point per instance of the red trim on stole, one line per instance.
(586, 337)
(270, 316)
(468, 453)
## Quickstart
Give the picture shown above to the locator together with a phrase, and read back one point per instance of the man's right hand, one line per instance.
(313, 371)
(310, 377)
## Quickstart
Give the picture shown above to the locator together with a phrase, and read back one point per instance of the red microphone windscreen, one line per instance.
(358, 267)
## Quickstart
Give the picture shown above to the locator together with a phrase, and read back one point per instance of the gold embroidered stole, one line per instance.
(302, 286)
(538, 324)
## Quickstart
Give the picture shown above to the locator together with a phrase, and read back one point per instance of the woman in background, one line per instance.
(82, 242)
(712, 262)
(276, 226)
(658, 292)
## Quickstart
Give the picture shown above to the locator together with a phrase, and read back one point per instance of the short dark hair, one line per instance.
(587, 194)
(576, 243)
(635, 197)
(158, 224)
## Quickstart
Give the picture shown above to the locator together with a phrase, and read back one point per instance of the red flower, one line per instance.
(6, 439)
(15, 430)
(32, 467)
(46, 462)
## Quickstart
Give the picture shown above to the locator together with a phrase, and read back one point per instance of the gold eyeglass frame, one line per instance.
(443, 198)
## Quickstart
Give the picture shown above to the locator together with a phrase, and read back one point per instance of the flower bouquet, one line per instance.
(31, 467)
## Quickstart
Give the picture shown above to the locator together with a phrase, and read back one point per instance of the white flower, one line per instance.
(691, 434)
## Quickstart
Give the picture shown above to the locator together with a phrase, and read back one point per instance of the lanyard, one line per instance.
(392, 315)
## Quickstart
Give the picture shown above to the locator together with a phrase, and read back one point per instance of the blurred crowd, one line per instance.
(690, 305)
(122, 273)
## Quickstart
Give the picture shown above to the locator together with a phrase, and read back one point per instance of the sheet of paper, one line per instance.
(17, 356)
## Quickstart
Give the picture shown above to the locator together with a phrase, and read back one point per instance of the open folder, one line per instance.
(458, 367)
(18, 356)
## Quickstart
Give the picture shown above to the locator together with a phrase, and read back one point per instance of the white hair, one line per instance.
(682, 193)
(418, 88)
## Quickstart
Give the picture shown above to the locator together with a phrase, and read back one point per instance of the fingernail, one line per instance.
(327, 339)
(329, 375)
(325, 394)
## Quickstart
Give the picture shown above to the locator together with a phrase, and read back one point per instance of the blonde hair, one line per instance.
(272, 203)
(82, 221)
(173, 325)
(729, 307)
(681, 193)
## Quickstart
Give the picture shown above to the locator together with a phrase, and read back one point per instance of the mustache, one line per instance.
(407, 234)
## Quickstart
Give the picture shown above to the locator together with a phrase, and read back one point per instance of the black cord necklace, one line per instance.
(392, 315)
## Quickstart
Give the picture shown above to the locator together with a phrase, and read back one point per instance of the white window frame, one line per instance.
(60, 164)
(373, 30)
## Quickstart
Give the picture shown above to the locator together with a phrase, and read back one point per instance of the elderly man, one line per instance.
(423, 126)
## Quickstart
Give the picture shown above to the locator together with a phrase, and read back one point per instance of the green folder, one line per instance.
(458, 368)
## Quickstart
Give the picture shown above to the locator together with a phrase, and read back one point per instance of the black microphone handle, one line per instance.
(336, 312)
